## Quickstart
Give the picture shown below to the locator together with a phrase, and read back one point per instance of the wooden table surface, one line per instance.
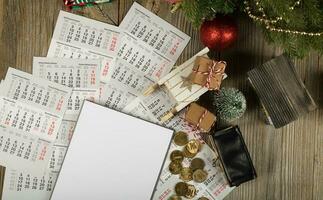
(289, 161)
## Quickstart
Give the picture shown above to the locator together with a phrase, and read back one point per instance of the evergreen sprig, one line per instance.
(199, 10)
(306, 17)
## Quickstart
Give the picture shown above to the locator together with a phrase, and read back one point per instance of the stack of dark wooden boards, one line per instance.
(281, 91)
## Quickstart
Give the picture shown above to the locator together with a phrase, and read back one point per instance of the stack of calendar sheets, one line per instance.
(31, 115)
(109, 65)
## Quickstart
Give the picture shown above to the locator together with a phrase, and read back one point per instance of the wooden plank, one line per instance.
(299, 140)
(279, 155)
(2, 172)
(317, 84)
(8, 39)
(35, 21)
(289, 161)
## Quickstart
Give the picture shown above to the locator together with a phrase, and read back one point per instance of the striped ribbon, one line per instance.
(197, 126)
(211, 73)
(77, 2)
(83, 2)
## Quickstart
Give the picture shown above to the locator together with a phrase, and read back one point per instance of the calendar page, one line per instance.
(138, 109)
(74, 73)
(22, 184)
(27, 185)
(144, 56)
(152, 108)
(31, 111)
(99, 93)
(135, 69)
(141, 57)
(161, 36)
(76, 101)
(83, 38)
(157, 104)
(36, 92)
(24, 151)
(30, 120)
(61, 144)
(81, 75)
(125, 84)
(116, 96)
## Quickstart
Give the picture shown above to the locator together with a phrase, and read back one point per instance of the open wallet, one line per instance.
(234, 156)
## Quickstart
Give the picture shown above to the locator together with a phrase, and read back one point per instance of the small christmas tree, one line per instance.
(229, 103)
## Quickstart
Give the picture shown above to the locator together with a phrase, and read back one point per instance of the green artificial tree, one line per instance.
(229, 104)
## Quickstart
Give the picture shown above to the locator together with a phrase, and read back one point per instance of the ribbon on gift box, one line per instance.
(208, 73)
(76, 3)
(199, 117)
(187, 82)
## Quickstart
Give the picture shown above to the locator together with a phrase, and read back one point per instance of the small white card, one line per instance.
(123, 161)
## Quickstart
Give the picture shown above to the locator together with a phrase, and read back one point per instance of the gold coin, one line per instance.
(191, 192)
(203, 198)
(193, 146)
(175, 197)
(199, 176)
(187, 154)
(197, 163)
(177, 155)
(186, 174)
(180, 138)
(181, 188)
(175, 167)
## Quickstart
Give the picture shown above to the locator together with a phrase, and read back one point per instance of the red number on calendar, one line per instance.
(106, 69)
(113, 43)
(42, 153)
(51, 128)
(60, 104)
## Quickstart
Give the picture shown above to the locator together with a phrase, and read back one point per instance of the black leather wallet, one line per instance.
(234, 156)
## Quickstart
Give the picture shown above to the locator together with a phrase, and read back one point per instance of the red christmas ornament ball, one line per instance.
(219, 33)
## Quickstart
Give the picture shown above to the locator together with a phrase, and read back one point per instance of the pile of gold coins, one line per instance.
(194, 172)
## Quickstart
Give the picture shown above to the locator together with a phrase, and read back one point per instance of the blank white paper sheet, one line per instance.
(112, 156)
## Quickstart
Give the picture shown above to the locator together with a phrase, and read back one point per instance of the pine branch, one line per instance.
(306, 17)
(199, 10)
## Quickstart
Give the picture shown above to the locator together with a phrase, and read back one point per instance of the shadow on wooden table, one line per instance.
(2, 173)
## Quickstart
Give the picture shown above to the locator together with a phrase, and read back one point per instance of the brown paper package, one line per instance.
(195, 112)
(203, 64)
